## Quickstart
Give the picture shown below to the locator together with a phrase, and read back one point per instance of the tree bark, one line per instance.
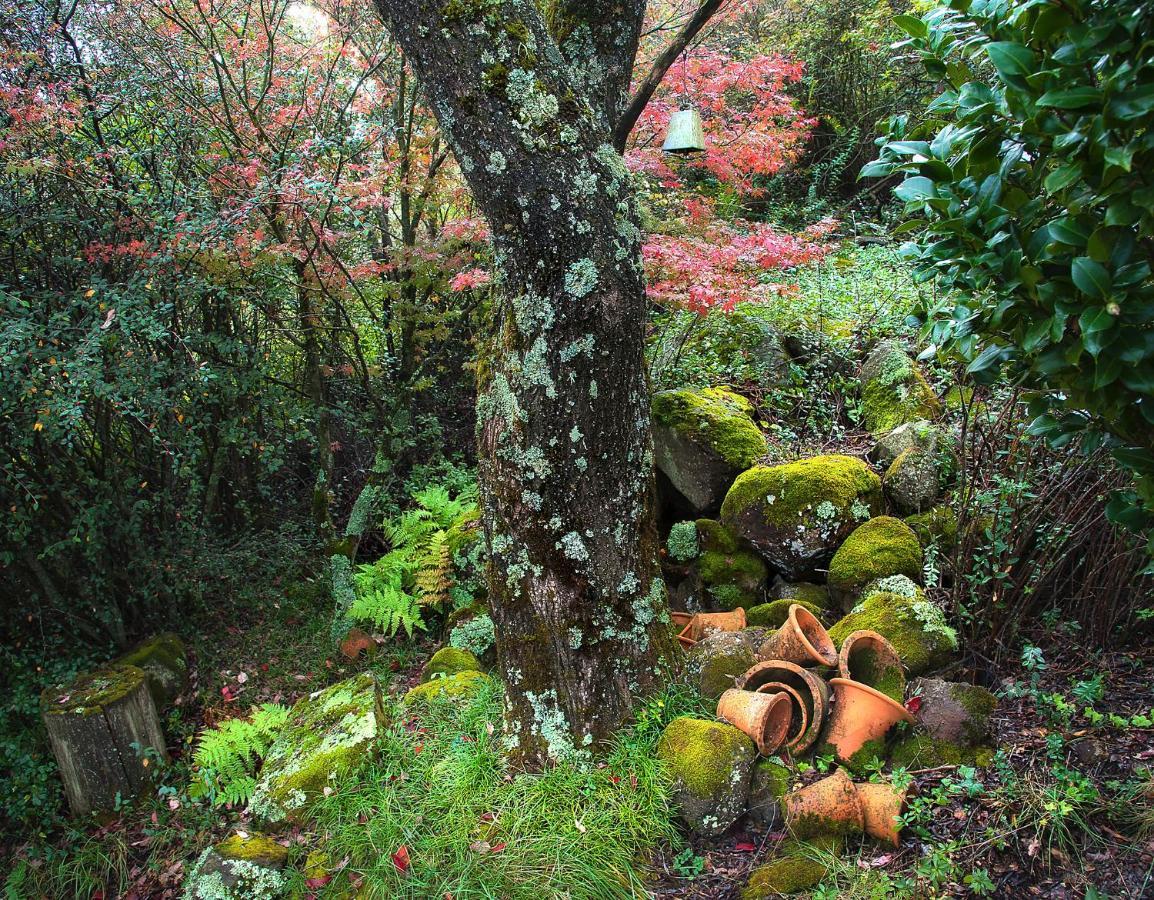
(563, 399)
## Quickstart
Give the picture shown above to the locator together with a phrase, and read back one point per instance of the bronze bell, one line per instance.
(685, 133)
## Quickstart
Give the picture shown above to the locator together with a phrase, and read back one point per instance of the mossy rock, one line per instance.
(920, 434)
(449, 661)
(732, 579)
(702, 439)
(878, 548)
(476, 634)
(326, 736)
(915, 626)
(795, 868)
(920, 751)
(771, 781)
(165, 662)
(713, 536)
(710, 764)
(914, 481)
(742, 344)
(802, 592)
(894, 390)
(717, 660)
(954, 712)
(936, 526)
(240, 868)
(774, 613)
(797, 514)
(462, 685)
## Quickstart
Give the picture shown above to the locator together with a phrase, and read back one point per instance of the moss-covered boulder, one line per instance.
(717, 660)
(463, 685)
(936, 526)
(801, 592)
(702, 439)
(165, 662)
(914, 625)
(894, 390)
(771, 781)
(920, 434)
(241, 867)
(742, 345)
(875, 549)
(796, 514)
(730, 579)
(327, 735)
(797, 866)
(710, 764)
(914, 481)
(920, 751)
(774, 613)
(954, 712)
(449, 661)
(472, 630)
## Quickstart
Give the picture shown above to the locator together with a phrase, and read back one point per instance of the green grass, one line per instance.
(473, 829)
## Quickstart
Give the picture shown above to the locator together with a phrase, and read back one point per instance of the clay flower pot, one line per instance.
(830, 806)
(868, 658)
(802, 640)
(764, 717)
(700, 623)
(881, 805)
(813, 691)
(860, 714)
(799, 714)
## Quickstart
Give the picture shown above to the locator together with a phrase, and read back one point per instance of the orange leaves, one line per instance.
(401, 859)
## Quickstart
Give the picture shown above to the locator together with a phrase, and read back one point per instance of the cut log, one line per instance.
(101, 727)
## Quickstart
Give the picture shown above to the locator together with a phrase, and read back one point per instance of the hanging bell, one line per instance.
(685, 133)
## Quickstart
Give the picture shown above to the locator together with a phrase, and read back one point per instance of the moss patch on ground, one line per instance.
(461, 685)
(257, 848)
(878, 548)
(796, 867)
(920, 751)
(714, 417)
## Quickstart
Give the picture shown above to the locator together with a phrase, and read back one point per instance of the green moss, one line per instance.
(718, 661)
(732, 579)
(255, 848)
(790, 494)
(936, 526)
(894, 390)
(804, 592)
(859, 762)
(91, 693)
(776, 777)
(867, 668)
(449, 661)
(881, 547)
(920, 751)
(795, 868)
(774, 613)
(712, 535)
(979, 705)
(463, 684)
(701, 755)
(916, 628)
(714, 417)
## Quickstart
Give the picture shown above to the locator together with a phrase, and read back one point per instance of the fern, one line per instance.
(228, 756)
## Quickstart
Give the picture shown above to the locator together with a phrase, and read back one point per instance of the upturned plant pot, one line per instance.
(827, 807)
(813, 691)
(868, 658)
(799, 713)
(882, 804)
(700, 623)
(860, 714)
(802, 639)
(764, 717)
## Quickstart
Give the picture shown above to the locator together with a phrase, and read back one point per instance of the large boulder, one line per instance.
(241, 867)
(898, 610)
(935, 526)
(717, 660)
(920, 434)
(702, 439)
(710, 764)
(327, 734)
(165, 662)
(878, 548)
(894, 390)
(726, 575)
(952, 711)
(797, 514)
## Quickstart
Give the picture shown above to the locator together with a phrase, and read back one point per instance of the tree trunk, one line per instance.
(563, 405)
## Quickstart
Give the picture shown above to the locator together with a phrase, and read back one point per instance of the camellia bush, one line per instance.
(1032, 200)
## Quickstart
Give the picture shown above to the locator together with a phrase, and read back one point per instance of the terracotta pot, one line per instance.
(814, 693)
(860, 714)
(881, 805)
(830, 806)
(802, 640)
(764, 717)
(867, 657)
(799, 718)
(700, 623)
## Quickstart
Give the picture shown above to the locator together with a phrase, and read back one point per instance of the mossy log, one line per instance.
(99, 727)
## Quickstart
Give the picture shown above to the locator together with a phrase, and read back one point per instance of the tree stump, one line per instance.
(93, 724)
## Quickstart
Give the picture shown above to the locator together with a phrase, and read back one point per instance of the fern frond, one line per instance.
(434, 573)
(228, 756)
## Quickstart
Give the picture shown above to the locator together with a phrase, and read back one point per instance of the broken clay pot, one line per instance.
(802, 639)
(700, 623)
(860, 714)
(814, 693)
(882, 804)
(868, 658)
(764, 717)
(799, 718)
(830, 806)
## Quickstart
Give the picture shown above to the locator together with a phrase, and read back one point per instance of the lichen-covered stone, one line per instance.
(239, 868)
(801, 592)
(771, 781)
(462, 685)
(796, 514)
(702, 439)
(920, 751)
(710, 764)
(731, 579)
(717, 660)
(165, 662)
(920, 434)
(914, 481)
(796, 867)
(914, 625)
(682, 544)
(954, 712)
(327, 735)
(878, 548)
(894, 390)
(449, 661)
(774, 613)
(937, 526)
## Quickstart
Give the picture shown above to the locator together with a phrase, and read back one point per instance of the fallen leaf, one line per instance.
(744, 847)
(401, 859)
(241, 678)
(580, 825)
